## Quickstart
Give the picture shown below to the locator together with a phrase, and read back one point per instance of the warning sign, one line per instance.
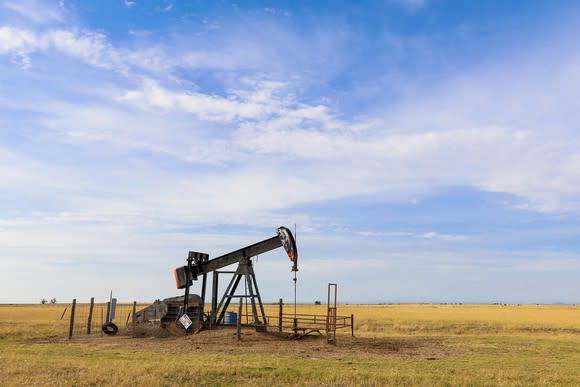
(185, 321)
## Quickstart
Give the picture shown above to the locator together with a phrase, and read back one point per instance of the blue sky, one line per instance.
(428, 151)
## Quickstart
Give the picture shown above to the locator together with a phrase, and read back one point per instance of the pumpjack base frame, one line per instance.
(245, 270)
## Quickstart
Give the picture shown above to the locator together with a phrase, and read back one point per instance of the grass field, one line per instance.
(394, 345)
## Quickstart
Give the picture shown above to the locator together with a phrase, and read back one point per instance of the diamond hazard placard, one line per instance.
(185, 321)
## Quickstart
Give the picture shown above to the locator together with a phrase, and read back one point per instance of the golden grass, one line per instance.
(464, 319)
(467, 345)
(437, 319)
(19, 322)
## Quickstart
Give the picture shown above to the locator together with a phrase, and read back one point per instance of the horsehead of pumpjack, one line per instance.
(289, 244)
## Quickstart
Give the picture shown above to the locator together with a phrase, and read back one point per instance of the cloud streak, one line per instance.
(36, 11)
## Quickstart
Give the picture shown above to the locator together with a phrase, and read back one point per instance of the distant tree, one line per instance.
(43, 301)
(317, 302)
(53, 300)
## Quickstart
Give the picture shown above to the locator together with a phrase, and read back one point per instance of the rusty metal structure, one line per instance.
(168, 312)
(188, 312)
(331, 315)
(165, 313)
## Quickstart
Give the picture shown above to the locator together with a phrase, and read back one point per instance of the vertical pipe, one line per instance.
(252, 299)
(186, 296)
(214, 296)
(203, 285)
(72, 319)
(352, 325)
(280, 308)
(134, 318)
(328, 311)
(239, 322)
(331, 314)
(108, 311)
(90, 319)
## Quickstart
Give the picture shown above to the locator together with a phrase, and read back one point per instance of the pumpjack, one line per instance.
(168, 311)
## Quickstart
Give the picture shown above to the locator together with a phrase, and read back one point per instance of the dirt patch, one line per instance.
(224, 341)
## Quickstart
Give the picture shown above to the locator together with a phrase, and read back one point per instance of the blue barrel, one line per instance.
(231, 318)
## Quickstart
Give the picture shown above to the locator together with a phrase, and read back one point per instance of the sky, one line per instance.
(423, 150)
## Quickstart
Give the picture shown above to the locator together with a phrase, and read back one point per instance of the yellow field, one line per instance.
(394, 345)
(464, 319)
(436, 319)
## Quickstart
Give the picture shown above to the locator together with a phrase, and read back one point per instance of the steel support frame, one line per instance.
(245, 269)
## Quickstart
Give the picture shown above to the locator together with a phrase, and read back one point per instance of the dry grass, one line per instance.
(465, 319)
(451, 319)
(395, 345)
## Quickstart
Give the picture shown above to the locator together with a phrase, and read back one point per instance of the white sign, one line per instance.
(185, 321)
(113, 309)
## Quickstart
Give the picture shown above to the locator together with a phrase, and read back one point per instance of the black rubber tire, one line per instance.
(110, 328)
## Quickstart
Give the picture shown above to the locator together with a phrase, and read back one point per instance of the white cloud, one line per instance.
(262, 120)
(443, 237)
(277, 11)
(264, 50)
(259, 104)
(13, 40)
(18, 43)
(40, 12)
(90, 47)
(139, 33)
(205, 107)
(250, 126)
(405, 234)
(93, 48)
(168, 7)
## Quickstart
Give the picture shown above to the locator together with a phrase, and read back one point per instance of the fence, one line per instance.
(88, 318)
(282, 318)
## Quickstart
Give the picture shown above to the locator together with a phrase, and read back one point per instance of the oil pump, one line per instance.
(199, 264)
(167, 312)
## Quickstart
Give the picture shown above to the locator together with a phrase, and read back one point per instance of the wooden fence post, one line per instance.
(280, 314)
(90, 318)
(352, 325)
(72, 319)
(134, 322)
